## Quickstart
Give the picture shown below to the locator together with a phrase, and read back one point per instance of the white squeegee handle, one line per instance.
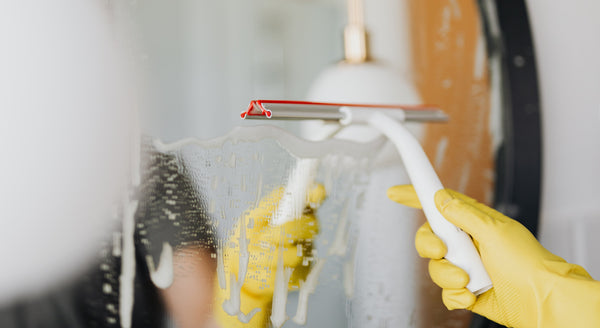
(461, 251)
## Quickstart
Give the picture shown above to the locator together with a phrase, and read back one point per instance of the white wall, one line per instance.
(567, 43)
(205, 60)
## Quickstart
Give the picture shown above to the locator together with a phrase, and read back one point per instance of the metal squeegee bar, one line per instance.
(306, 110)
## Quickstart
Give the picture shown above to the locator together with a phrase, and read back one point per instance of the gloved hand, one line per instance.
(532, 287)
(265, 243)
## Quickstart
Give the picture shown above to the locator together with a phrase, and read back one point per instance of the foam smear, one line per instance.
(221, 268)
(340, 243)
(306, 288)
(244, 256)
(294, 199)
(162, 277)
(127, 277)
(349, 274)
(232, 306)
(282, 278)
(245, 318)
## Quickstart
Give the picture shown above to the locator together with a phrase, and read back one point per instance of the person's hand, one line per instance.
(532, 287)
(265, 244)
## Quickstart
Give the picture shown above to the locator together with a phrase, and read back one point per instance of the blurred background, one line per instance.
(531, 109)
(204, 61)
(521, 91)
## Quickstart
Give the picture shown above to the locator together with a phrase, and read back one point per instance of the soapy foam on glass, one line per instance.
(306, 288)
(162, 276)
(282, 277)
(127, 265)
(232, 174)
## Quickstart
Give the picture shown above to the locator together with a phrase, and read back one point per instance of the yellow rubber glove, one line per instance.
(293, 240)
(532, 287)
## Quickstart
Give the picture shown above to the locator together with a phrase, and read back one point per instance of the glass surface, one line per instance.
(225, 54)
(178, 233)
(235, 175)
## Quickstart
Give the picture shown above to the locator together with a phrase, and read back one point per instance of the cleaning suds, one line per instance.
(244, 256)
(127, 277)
(349, 273)
(232, 306)
(243, 186)
(116, 249)
(282, 277)
(231, 161)
(295, 197)
(107, 288)
(306, 288)
(340, 243)
(221, 268)
(162, 277)
(245, 318)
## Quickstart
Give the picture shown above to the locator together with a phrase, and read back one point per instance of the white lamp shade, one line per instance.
(370, 83)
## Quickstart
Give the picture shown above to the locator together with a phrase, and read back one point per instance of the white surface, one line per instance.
(162, 275)
(232, 306)
(280, 292)
(128, 265)
(566, 38)
(295, 196)
(64, 124)
(307, 287)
